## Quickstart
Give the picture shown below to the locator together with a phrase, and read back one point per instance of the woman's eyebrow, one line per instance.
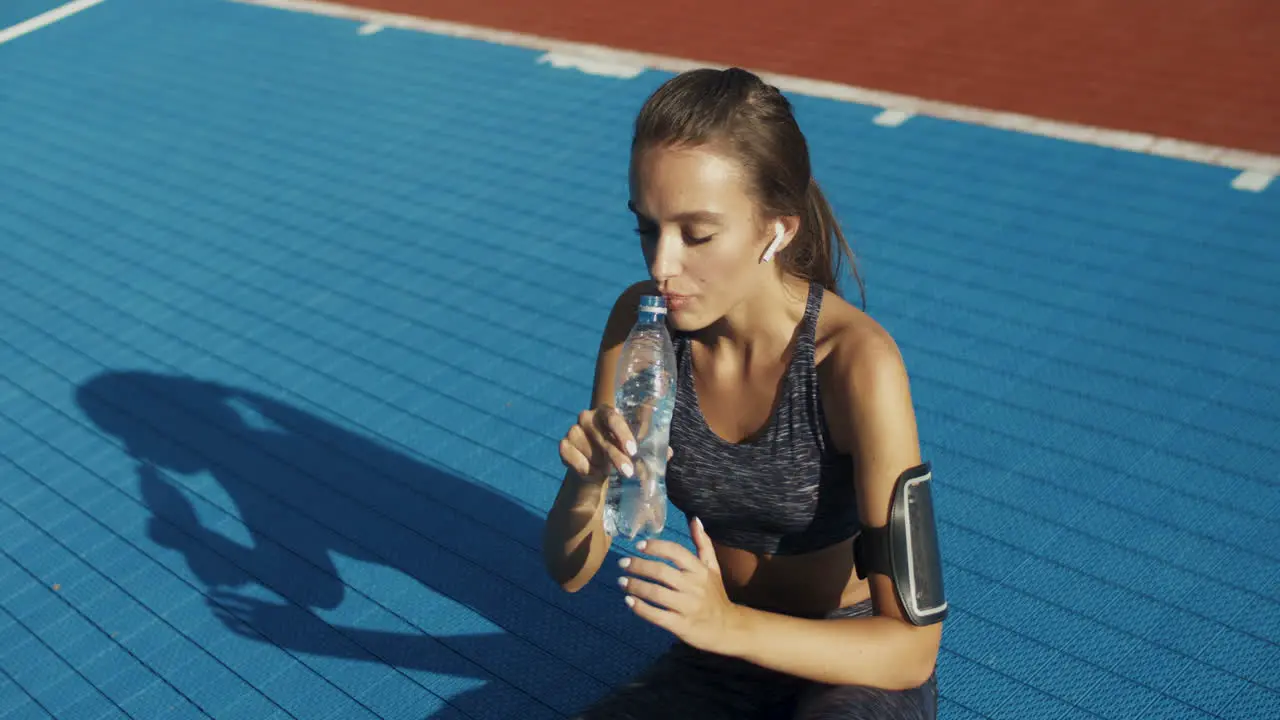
(692, 216)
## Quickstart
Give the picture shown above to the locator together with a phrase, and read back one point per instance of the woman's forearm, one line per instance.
(574, 543)
(873, 651)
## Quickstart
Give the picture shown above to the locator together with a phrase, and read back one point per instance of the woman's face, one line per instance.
(699, 229)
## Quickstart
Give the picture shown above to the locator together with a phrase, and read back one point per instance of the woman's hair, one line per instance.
(738, 113)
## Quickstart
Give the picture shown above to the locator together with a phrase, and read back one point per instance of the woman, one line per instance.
(793, 433)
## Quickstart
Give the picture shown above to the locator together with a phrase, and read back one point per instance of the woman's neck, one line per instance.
(764, 320)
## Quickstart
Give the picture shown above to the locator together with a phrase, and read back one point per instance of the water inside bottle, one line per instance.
(638, 505)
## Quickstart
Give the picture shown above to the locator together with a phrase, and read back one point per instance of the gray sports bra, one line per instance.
(784, 492)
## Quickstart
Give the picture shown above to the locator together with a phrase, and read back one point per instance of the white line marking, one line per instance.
(1252, 181)
(369, 28)
(1116, 139)
(891, 118)
(592, 64)
(46, 18)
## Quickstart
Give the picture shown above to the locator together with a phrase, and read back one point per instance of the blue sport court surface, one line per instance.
(292, 318)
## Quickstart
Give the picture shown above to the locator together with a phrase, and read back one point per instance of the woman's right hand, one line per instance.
(599, 442)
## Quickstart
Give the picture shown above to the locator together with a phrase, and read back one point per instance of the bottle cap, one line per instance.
(653, 304)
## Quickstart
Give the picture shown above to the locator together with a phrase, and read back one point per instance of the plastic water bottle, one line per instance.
(645, 394)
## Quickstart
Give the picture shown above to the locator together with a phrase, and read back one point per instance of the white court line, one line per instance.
(891, 118)
(561, 50)
(44, 19)
(591, 64)
(1252, 181)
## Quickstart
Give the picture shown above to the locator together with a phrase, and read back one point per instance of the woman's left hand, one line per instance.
(689, 600)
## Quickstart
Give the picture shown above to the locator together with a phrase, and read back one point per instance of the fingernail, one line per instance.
(624, 563)
(622, 581)
(641, 545)
(631, 447)
(630, 601)
(627, 469)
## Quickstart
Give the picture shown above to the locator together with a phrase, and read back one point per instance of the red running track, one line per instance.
(1207, 72)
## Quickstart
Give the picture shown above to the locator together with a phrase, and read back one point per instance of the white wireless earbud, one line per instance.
(770, 251)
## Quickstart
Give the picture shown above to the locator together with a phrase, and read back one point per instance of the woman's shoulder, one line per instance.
(849, 338)
(631, 294)
(858, 360)
(624, 311)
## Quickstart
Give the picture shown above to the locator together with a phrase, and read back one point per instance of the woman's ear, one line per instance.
(784, 230)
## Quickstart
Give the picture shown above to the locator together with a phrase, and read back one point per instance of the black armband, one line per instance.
(906, 550)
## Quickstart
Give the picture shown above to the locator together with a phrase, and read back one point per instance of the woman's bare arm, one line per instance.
(574, 542)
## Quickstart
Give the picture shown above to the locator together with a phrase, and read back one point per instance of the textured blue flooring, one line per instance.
(291, 320)
(13, 12)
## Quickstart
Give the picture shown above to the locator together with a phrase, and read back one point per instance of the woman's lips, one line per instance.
(676, 302)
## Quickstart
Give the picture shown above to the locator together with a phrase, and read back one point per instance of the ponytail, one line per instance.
(819, 249)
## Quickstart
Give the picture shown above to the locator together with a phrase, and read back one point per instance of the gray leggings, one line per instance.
(688, 683)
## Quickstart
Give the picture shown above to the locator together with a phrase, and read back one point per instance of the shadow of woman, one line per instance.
(306, 491)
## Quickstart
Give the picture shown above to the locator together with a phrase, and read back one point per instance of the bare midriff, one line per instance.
(812, 584)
